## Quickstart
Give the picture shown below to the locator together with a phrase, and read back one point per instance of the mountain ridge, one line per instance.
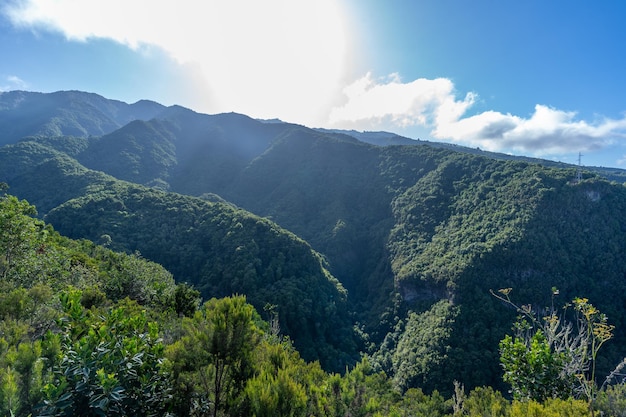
(112, 114)
(66, 113)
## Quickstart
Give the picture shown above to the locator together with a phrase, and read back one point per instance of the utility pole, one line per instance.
(579, 170)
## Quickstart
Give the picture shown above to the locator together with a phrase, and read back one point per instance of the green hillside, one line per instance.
(222, 251)
(219, 249)
(407, 227)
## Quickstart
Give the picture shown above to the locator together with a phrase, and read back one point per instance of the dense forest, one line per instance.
(89, 331)
(311, 272)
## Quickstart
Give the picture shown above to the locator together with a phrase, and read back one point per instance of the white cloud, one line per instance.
(433, 104)
(374, 103)
(13, 82)
(265, 58)
(546, 131)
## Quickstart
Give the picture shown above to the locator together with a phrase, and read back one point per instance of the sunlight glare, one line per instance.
(272, 58)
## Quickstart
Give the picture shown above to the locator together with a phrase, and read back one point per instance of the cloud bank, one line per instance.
(433, 104)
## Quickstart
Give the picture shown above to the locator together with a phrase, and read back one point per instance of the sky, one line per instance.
(534, 77)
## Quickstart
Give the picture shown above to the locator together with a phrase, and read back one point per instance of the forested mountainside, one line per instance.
(417, 234)
(72, 113)
(222, 251)
(212, 245)
(89, 331)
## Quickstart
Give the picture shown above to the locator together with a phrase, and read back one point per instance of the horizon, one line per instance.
(533, 79)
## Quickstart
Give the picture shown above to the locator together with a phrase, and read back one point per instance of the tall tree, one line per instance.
(214, 358)
(20, 235)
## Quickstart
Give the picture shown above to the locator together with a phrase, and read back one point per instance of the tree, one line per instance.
(276, 395)
(186, 299)
(20, 235)
(484, 401)
(533, 370)
(279, 387)
(213, 359)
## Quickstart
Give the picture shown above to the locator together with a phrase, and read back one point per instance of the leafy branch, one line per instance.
(572, 349)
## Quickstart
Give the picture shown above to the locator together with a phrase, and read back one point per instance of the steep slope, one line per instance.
(141, 152)
(181, 150)
(43, 264)
(327, 190)
(211, 150)
(44, 176)
(219, 249)
(474, 224)
(222, 251)
(422, 234)
(71, 113)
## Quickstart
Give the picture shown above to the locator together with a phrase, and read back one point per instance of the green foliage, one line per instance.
(19, 238)
(555, 407)
(22, 377)
(186, 300)
(423, 347)
(417, 404)
(109, 364)
(9, 401)
(141, 152)
(220, 251)
(551, 357)
(45, 176)
(483, 402)
(280, 383)
(32, 253)
(213, 359)
(534, 370)
(275, 395)
(146, 282)
(94, 351)
(612, 401)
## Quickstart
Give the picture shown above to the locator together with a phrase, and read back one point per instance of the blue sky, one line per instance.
(537, 78)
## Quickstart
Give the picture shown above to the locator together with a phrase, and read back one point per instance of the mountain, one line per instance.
(71, 113)
(417, 234)
(388, 139)
(374, 138)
